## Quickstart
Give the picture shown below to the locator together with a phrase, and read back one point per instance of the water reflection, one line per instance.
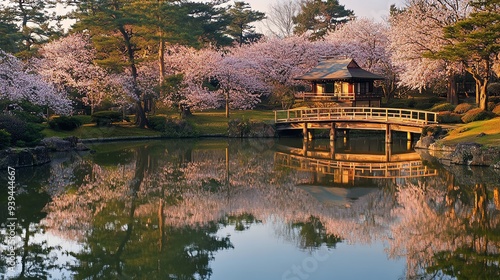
(157, 210)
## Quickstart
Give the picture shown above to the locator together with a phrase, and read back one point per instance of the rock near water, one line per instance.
(24, 157)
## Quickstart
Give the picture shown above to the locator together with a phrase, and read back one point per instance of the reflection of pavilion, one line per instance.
(346, 166)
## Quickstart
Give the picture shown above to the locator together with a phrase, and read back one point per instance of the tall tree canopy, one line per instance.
(241, 16)
(27, 23)
(476, 44)
(319, 17)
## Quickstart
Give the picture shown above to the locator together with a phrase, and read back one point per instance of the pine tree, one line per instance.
(320, 17)
(27, 24)
(241, 16)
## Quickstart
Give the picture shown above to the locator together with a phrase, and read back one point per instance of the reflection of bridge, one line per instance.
(345, 167)
(346, 118)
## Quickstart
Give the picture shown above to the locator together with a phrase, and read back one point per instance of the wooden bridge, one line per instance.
(347, 118)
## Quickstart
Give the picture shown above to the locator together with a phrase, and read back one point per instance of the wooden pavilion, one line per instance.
(341, 81)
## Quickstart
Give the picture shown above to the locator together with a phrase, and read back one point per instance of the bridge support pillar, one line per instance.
(332, 132)
(409, 138)
(305, 133)
(388, 134)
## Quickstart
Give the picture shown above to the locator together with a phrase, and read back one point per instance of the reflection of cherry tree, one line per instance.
(438, 225)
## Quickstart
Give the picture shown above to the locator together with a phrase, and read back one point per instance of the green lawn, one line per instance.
(88, 131)
(470, 133)
(215, 122)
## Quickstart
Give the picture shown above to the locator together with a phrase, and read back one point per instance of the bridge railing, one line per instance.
(356, 113)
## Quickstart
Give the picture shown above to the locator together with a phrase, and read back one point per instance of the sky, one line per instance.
(375, 9)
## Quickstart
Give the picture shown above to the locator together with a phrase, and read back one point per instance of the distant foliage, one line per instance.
(444, 107)
(477, 114)
(65, 123)
(4, 139)
(462, 108)
(449, 117)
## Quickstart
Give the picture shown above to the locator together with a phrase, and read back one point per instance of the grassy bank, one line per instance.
(482, 132)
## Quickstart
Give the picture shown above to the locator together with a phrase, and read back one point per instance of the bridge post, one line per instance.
(388, 134)
(304, 131)
(332, 132)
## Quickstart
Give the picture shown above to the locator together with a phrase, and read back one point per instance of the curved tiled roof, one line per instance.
(338, 69)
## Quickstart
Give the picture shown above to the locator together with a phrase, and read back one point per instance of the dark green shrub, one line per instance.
(22, 133)
(24, 110)
(65, 123)
(178, 128)
(157, 123)
(443, 107)
(449, 117)
(83, 119)
(462, 108)
(496, 110)
(4, 139)
(491, 106)
(477, 114)
(423, 106)
(494, 89)
(105, 118)
(432, 130)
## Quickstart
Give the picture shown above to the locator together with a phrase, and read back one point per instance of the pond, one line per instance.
(251, 209)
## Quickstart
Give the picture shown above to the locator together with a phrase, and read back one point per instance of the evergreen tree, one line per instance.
(475, 43)
(27, 23)
(113, 25)
(11, 36)
(241, 16)
(320, 17)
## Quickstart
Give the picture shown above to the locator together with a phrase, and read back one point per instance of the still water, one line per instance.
(252, 209)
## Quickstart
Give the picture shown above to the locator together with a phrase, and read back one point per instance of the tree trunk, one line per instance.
(452, 96)
(227, 104)
(483, 95)
(140, 115)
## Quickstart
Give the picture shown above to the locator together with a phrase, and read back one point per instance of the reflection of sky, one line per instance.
(259, 254)
(62, 256)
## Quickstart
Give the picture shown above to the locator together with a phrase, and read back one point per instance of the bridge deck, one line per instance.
(416, 118)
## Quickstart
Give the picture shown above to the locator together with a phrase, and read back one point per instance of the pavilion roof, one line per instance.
(338, 69)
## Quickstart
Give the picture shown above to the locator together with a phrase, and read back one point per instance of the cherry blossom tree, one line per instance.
(278, 61)
(69, 64)
(367, 42)
(417, 30)
(18, 84)
(213, 79)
